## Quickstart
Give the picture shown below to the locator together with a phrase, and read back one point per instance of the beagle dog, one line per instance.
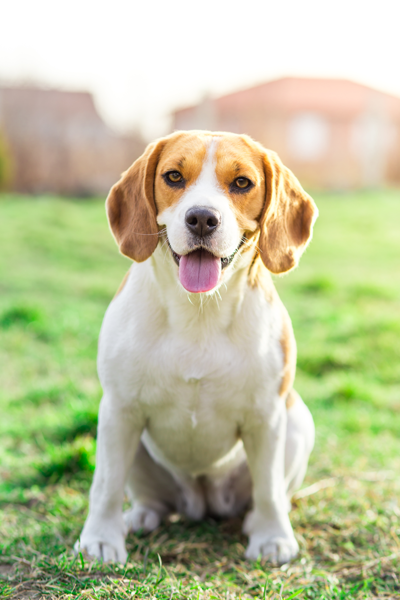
(197, 354)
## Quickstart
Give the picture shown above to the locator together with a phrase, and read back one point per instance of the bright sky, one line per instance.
(142, 59)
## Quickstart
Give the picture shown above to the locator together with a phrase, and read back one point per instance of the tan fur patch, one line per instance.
(184, 153)
(291, 398)
(240, 157)
(259, 276)
(122, 284)
(288, 345)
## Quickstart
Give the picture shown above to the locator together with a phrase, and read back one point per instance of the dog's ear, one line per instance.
(287, 218)
(131, 208)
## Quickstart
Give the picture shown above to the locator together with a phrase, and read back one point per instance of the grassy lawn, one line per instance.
(59, 269)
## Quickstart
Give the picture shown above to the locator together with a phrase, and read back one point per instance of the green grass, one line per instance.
(59, 268)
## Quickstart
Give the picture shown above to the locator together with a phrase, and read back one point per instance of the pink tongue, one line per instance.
(199, 271)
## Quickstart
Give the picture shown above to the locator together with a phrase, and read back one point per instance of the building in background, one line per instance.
(334, 134)
(59, 143)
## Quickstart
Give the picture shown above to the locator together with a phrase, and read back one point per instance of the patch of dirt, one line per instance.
(26, 595)
(6, 569)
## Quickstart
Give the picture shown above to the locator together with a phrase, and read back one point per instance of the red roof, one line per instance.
(335, 96)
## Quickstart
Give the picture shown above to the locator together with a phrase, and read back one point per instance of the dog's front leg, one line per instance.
(119, 431)
(268, 525)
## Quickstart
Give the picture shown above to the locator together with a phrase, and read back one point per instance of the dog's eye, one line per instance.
(174, 176)
(174, 179)
(242, 183)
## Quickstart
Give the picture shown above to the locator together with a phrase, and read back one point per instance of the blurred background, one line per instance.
(84, 86)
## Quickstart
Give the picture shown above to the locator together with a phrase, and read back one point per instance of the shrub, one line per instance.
(5, 163)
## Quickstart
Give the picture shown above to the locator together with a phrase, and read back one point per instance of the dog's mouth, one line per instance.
(200, 270)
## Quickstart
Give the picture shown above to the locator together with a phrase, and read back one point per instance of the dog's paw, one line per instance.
(141, 517)
(273, 540)
(278, 550)
(103, 539)
(92, 548)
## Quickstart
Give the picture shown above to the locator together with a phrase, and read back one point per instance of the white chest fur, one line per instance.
(196, 373)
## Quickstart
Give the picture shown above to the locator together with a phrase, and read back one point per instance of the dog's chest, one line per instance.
(207, 390)
(199, 400)
(202, 375)
(195, 387)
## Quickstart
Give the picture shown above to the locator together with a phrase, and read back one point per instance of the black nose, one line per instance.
(202, 221)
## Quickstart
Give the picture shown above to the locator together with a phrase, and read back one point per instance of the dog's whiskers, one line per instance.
(159, 233)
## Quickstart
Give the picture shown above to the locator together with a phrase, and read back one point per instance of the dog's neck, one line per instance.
(199, 315)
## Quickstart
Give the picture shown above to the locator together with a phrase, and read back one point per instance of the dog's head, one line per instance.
(210, 194)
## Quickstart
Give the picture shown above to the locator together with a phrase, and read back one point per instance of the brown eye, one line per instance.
(174, 176)
(242, 182)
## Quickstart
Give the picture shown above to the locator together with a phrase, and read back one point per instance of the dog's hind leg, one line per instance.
(155, 492)
(228, 486)
(230, 495)
(152, 491)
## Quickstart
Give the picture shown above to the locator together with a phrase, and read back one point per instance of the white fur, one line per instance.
(191, 389)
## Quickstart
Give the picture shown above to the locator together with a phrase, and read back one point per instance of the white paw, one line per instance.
(141, 517)
(278, 550)
(270, 538)
(103, 539)
(102, 550)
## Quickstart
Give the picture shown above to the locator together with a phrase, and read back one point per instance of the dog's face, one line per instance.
(211, 194)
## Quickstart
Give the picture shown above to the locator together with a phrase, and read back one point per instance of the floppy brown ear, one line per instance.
(287, 219)
(131, 209)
